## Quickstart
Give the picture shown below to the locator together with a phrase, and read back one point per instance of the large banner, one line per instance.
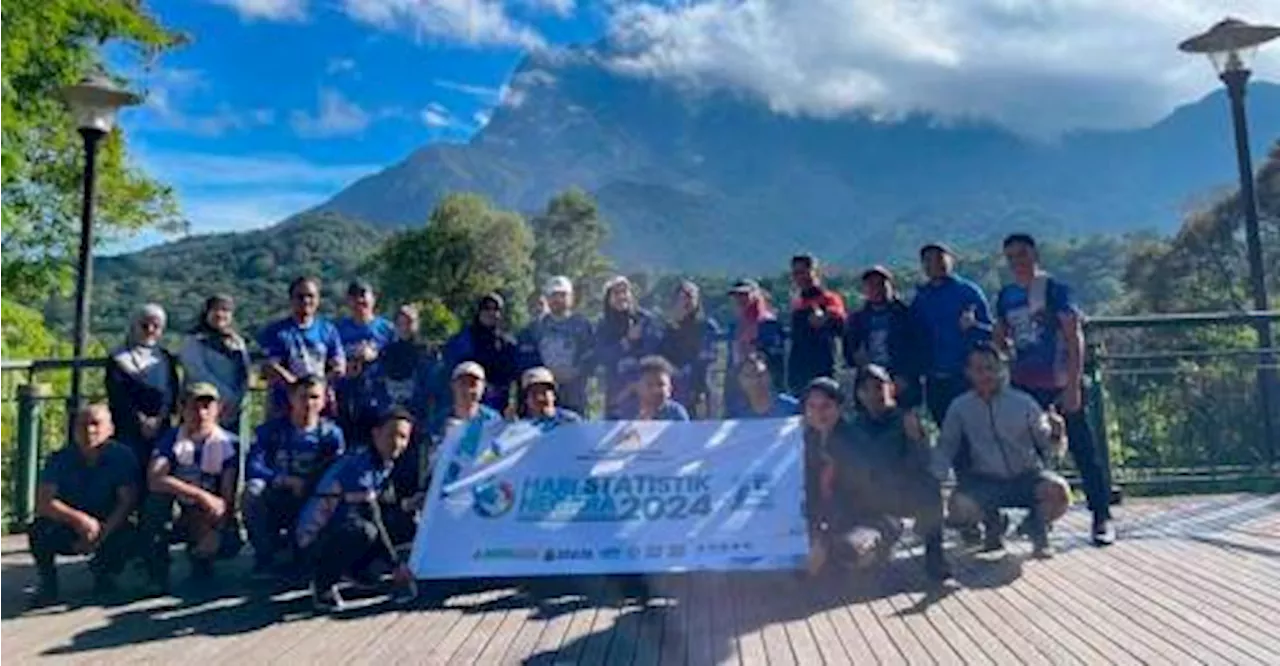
(514, 499)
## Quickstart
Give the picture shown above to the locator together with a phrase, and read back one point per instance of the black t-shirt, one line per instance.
(91, 488)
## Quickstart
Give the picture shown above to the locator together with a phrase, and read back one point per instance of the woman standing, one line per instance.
(690, 346)
(756, 330)
(626, 334)
(142, 384)
(215, 353)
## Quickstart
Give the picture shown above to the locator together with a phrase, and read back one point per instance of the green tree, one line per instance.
(569, 236)
(468, 249)
(49, 44)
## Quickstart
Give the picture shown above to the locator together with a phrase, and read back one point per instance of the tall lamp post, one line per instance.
(1230, 44)
(94, 102)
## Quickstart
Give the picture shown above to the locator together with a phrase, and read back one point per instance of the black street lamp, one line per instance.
(1230, 44)
(94, 102)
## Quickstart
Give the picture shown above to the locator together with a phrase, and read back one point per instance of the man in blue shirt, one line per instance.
(883, 332)
(539, 388)
(86, 493)
(1039, 320)
(654, 392)
(286, 460)
(760, 401)
(299, 345)
(192, 482)
(364, 335)
(561, 341)
(952, 315)
(346, 525)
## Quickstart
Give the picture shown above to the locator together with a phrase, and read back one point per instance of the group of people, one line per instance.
(355, 409)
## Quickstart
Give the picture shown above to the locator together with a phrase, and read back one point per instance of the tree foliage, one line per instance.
(467, 249)
(49, 44)
(569, 236)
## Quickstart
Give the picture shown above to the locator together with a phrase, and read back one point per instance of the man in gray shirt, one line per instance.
(1011, 439)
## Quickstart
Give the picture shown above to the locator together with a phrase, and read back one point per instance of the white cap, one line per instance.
(558, 285)
(538, 375)
(469, 369)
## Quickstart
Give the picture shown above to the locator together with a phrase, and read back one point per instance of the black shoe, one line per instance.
(971, 535)
(46, 595)
(263, 572)
(104, 585)
(936, 566)
(992, 542)
(1042, 551)
(201, 568)
(1103, 533)
(326, 600)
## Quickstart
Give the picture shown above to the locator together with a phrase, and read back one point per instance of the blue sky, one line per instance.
(275, 105)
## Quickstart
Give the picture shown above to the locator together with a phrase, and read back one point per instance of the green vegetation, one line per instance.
(49, 44)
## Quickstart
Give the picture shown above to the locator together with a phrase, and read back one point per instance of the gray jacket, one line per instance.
(1008, 436)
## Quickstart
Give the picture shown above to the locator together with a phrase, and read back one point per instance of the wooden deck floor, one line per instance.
(1193, 580)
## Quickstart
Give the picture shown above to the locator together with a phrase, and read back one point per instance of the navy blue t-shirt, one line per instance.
(783, 406)
(187, 458)
(91, 488)
(280, 447)
(1040, 357)
(378, 332)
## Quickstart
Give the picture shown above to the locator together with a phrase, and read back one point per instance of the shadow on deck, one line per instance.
(1193, 579)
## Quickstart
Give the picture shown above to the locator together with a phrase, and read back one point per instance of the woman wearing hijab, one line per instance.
(689, 345)
(142, 383)
(214, 353)
(626, 334)
(484, 342)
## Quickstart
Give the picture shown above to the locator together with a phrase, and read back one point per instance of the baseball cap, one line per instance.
(558, 285)
(469, 369)
(201, 390)
(825, 385)
(538, 375)
(872, 371)
(937, 245)
(744, 286)
(357, 287)
(878, 269)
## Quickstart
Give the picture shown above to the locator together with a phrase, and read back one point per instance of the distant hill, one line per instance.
(717, 183)
(254, 266)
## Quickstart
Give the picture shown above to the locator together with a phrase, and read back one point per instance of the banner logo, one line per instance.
(493, 499)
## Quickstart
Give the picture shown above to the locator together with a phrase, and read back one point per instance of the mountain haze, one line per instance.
(703, 182)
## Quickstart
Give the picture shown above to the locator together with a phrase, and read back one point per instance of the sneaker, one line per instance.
(1103, 533)
(1042, 551)
(326, 601)
(971, 535)
(402, 595)
(45, 595)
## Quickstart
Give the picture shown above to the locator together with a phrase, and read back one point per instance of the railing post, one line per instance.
(27, 468)
(1096, 399)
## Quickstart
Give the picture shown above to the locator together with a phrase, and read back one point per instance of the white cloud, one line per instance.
(337, 116)
(267, 10)
(469, 22)
(1039, 67)
(561, 8)
(436, 115)
(168, 88)
(482, 118)
(340, 65)
(514, 94)
(483, 92)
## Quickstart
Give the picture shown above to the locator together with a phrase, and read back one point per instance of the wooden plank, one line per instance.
(596, 642)
(760, 606)
(704, 644)
(1008, 629)
(652, 621)
(882, 646)
(818, 613)
(569, 649)
(565, 610)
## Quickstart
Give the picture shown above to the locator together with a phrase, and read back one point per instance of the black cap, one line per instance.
(880, 270)
(357, 287)
(826, 386)
(744, 286)
(937, 245)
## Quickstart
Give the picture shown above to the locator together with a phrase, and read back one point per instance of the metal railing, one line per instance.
(1174, 397)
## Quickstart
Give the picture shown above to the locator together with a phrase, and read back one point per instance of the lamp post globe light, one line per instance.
(94, 102)
(1230, 45)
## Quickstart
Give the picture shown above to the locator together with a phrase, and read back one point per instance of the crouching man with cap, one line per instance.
(354, 521)
(86, 493)
(192, 483)
(538, 388)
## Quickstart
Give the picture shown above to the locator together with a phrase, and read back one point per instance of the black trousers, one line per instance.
(49, 538)
(352, 542)
(940, 392)
(1088, 457)
(161, 516)
(266, 514)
